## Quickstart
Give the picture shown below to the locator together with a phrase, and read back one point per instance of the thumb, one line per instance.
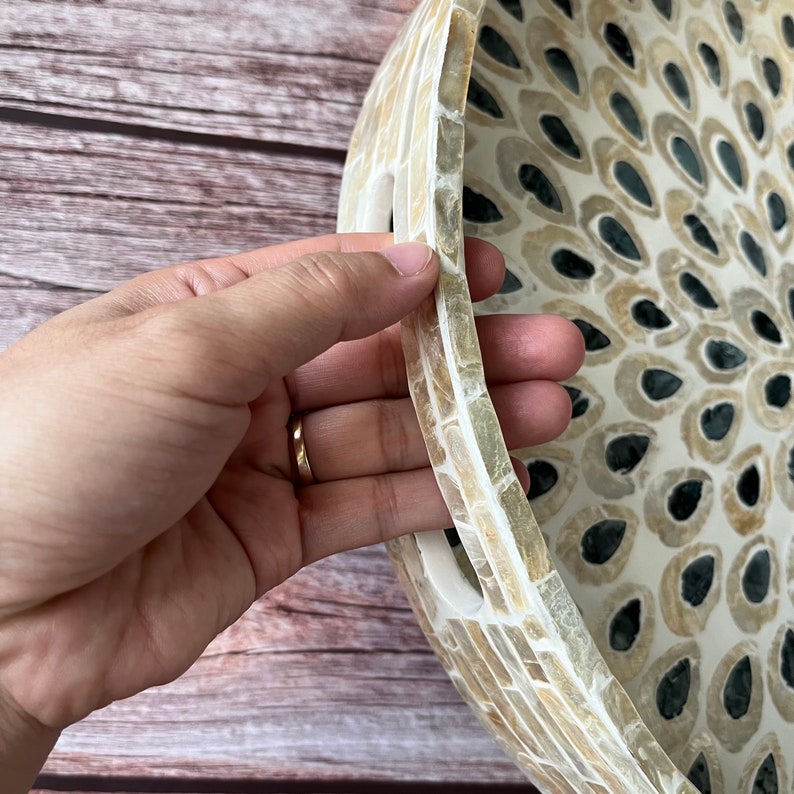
(264, 327)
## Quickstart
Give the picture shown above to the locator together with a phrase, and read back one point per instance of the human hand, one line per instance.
(146, 492)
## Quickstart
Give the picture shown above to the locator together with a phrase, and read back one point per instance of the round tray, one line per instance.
(630, 627)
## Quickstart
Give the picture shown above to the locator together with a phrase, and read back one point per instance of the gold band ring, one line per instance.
(299, 454)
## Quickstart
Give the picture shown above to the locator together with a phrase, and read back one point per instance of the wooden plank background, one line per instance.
(136, 134)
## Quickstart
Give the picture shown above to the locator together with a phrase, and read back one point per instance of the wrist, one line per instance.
(25, 744)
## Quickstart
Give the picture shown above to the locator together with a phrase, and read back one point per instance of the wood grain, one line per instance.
(90, 210)
(273, 70)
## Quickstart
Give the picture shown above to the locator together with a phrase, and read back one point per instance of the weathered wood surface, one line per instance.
(137, 134)
(276, 70)
(92, 209)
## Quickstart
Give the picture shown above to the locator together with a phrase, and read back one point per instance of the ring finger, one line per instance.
(379, 436)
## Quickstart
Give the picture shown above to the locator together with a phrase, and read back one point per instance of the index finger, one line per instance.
(515, 347)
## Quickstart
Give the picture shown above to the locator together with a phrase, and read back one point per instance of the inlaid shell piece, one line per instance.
(629, 628)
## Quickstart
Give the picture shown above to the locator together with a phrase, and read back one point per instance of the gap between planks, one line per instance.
(48, 784)
(53, 121)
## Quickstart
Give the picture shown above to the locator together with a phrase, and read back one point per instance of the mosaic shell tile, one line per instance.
(630, 627)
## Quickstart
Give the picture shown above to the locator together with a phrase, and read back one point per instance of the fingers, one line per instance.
(484, 262)
(519, 347)
(359, 512)
(380, 436)
(205, 276)
(485, 268)
(258, 330)
(514, 348)
(256, 290)
(349, 514)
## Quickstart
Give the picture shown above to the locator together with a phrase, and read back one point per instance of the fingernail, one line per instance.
(408, 259)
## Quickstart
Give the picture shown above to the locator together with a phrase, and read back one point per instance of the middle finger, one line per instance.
(380, 436)
(514, 347)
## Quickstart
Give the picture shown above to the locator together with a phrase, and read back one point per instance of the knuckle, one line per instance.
(392, 434)
(326, 273)
(193, 279)
(387, 514)
(392, 363)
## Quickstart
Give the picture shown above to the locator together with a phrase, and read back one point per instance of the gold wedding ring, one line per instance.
(300, 456)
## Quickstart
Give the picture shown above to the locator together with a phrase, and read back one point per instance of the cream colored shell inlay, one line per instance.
(634, 162)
